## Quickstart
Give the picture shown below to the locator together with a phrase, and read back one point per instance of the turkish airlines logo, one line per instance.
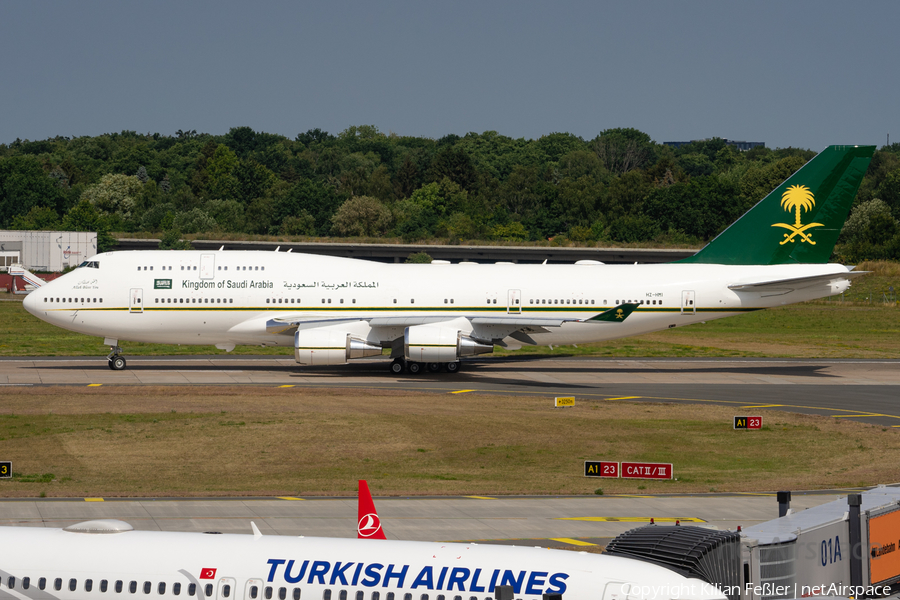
(369, 525)
(207, 574)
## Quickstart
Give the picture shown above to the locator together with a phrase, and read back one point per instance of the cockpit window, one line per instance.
(90, 264)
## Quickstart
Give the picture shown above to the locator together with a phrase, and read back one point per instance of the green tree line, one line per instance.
(619, 187)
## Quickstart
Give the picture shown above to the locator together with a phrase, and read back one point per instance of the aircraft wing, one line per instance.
(794, 283)
(286, 324)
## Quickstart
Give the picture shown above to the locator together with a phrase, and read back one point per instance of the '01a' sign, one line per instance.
(634, 470)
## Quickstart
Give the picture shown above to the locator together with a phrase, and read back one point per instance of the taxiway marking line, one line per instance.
(625, 398)
(462, 391)
(857, 416)
(573, 542)
(480, 497)
(93, 499)
(94, 384)
(763, 406)
(288, 498)
(633, 519)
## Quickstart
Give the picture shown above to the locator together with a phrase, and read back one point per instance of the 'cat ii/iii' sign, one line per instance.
(627, 470)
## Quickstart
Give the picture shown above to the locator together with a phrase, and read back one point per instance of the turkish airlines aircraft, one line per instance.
(107, 560)
(332, 310)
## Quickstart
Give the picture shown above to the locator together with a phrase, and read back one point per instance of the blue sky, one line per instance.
(796, 73)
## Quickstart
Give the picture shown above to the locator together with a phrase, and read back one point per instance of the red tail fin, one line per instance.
(368, 524)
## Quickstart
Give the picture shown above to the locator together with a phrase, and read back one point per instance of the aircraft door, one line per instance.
(207, 266)
(688, 302)
(617, 591)
(136, 300)
(253, 589)
(226, 589)
(514, 302)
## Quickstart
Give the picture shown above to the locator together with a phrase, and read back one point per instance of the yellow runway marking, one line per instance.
(480, 497)
(288, 498)
(630, 496)
(625, 398)
(763, 406)
(633, 519)
(856, 416)
(572, 542)
(462, 391)
(285, 386)
(93, 499)
(94, 384)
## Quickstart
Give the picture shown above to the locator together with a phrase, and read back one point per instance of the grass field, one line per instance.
(127, 441)
(862, 325)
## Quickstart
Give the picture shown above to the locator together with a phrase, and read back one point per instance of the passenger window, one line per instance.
(226, 591)
(269, 592)
(73, 583)
(326, 595)
(209, 590)
(296, 593)
(42, 583)
(192, 589)
(359, 595)
(11, 583)
(342, 595)
(118, 587)
(88, 584)
(423, 597)
(376, 595)
(57, 584)
(132, 587)
(26, 583)
(254, 590)
(161, 589)
(282, 593)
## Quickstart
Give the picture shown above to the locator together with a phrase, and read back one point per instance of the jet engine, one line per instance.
(330, 347)
(437, 344)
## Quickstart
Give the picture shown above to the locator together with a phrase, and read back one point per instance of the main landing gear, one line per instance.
(115, 360)
(401, 365)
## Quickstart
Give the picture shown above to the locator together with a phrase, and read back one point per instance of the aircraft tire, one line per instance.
(414, 368)
(452, 367)
(434, 367)
(117, 363)
(397, 367)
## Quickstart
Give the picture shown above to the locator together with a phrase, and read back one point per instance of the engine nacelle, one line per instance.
(330, 347)
(434, 343)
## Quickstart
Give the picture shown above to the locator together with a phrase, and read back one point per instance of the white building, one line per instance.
(47, 251)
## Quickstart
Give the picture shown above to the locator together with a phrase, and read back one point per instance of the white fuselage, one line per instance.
(61, 564)
(227, 298)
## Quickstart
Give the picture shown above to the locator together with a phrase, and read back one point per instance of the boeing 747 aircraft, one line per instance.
(332, 310)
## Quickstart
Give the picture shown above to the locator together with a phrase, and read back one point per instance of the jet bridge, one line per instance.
(849, 547)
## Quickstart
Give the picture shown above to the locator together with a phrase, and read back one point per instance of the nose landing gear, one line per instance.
(115, 360)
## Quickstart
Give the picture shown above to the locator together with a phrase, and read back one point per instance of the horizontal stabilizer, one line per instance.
(794, 283)
(614, 315)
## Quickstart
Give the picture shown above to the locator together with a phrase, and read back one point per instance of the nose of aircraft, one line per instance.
(31, 301)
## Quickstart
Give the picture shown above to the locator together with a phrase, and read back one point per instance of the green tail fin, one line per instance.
(799, 221)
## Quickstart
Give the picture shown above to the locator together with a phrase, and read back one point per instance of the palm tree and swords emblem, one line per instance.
(795, 198)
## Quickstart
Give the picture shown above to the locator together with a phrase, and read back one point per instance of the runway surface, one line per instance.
(544, 521)
(862, 390)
